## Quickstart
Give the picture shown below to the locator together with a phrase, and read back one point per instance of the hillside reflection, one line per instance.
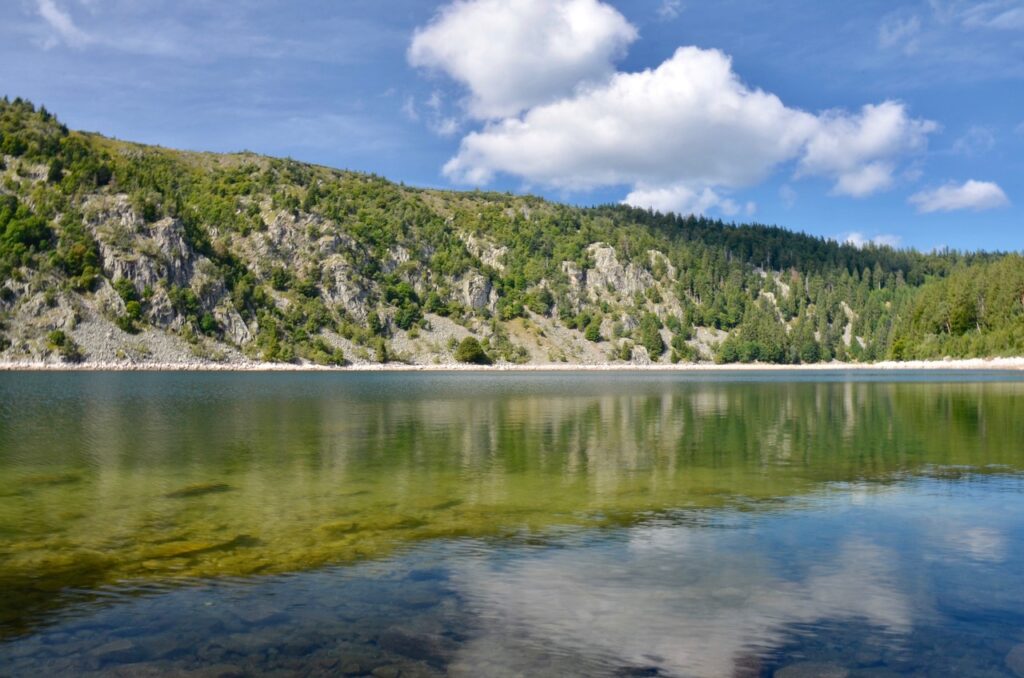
(105, 478)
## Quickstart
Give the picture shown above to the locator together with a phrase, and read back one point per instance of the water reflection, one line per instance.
(157, 479)
(852, 579)
(693, 611)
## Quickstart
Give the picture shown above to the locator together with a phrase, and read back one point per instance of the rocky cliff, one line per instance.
(116, 252)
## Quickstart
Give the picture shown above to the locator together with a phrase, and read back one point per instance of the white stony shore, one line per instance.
(987, 364)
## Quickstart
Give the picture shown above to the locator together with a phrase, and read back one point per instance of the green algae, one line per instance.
(255, 482)
(199, 490)
(52, 480)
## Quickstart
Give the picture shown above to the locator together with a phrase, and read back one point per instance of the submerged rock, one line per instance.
(199, 490)
(420, 647)
(192, 549)
(389, 671)
(812, 670)
(54, 480)
(1015, 660)
(260, 614)
(120, 650)
(218, 671)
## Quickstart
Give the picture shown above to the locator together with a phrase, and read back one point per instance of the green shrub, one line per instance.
(470, 351)
(126, 290)
(374, 324)
(126, 324)
(650, 335)
(280, 279)
(65, 346)
(380, 351)
(540, 301)
(322, 353)
(209, 325)
(27, 230)
(407, 316)
(625, 351)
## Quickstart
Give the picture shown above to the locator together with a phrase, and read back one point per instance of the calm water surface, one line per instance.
(564, 524)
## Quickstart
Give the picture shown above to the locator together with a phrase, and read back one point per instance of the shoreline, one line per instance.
(972, 364)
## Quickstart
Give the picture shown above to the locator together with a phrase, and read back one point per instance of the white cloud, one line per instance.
(682, 199)
(60, 21)
(901, 33)
(858, 149)
(688, 121)
(670, 9)
(858, 239)
(514, 54)
(865, 180)
(972, 195)
(688, 125)
(975, 141)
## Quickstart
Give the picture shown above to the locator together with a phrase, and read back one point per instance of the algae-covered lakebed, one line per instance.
(696, 524)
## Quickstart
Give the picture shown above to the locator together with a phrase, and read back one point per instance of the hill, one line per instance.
(113, 251)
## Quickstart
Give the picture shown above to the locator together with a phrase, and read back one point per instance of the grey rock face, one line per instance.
(476, 291)
(609, 276)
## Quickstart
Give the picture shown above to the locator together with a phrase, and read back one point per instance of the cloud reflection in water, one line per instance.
(682, 599)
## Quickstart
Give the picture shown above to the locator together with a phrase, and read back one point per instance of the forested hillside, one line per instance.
(116, 251)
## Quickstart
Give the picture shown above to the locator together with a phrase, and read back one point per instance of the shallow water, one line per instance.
(511, 524)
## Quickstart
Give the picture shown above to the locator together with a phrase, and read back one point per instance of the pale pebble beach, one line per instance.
(989, 364)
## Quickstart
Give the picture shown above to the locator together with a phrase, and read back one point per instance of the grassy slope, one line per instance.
(278, 260)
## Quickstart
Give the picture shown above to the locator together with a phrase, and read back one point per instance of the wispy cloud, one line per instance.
(1005, 15)
(409, 109)
(901, 33)
(202, 31)
(788, 196)
(950, 40)
(62, 25)
(670, 9)
(975, 141)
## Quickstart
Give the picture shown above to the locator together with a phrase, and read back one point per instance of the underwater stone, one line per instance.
(812, 670)
(389, 671)
(120, 650)
(414, 647)
(1015, 660)
(142, 670)
(199, 490)
(163, 645)
(259, 614)
(218, 671)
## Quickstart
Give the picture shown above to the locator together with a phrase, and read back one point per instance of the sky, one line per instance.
(875, 121)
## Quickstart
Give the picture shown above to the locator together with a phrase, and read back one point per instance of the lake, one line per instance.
(494, 524)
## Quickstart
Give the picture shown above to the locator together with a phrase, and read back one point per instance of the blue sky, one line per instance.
(902, 122)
